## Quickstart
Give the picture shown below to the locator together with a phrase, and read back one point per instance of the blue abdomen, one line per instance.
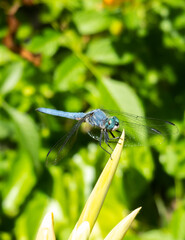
(71, 115)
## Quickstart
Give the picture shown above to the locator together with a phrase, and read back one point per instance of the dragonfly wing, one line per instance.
(139, 129)
(55, 153)
(95, 133)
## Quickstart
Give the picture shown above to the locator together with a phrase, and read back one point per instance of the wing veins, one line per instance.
(72, 131)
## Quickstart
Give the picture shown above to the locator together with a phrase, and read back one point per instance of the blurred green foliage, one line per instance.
(81, 55)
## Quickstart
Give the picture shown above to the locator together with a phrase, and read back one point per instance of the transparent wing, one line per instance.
(56, 152)
(95, 133)
(140, 130)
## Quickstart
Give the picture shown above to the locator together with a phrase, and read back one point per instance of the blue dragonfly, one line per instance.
(106, 126)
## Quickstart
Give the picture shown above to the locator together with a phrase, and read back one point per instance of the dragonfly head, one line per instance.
(112, 124)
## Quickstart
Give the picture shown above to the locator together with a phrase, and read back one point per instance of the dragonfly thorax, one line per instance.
(112, 124)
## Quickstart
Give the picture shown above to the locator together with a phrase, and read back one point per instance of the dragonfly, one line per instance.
(106, 127)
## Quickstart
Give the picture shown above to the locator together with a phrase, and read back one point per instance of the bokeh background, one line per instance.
(126, 55)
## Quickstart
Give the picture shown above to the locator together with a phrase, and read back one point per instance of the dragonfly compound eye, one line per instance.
(116, 123)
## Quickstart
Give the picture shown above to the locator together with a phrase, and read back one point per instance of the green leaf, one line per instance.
(172, 160)
(51, 10)
(24, 31)
(91, 22)
(6, 55)
(179, 22)
(47, 43)
(157, 234)
(119, 95)
(109, 52)
(134, 184)
(13, 74)
(14, 190)
(69, 73)
(146, 169)
(28, 222)
(175, 4)
(26, 132)
(133, 18)
(177, 223)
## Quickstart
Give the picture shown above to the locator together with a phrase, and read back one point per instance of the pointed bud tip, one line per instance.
(46, 230)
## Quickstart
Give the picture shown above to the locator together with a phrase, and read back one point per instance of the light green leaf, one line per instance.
(24, 31)
(172, 160)
(91, 22)
(175, 4)
(69, 73)
(26, 132)
(177, 223)
(109, 52)
(157, 234)
(5, 128)
(52, 10)
(146, 169)
(28, 222)
(46, 44)
(13, 74)
(14, 190)
(119, 95)
(6, 55)
(119, 231)
(179, 22)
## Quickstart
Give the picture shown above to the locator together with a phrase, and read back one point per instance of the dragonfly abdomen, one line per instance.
(71, 115)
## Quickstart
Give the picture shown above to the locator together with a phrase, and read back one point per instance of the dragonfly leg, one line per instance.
(113, 137)
(106, 137)
(101, 135)
(112, 140)
(118, 131)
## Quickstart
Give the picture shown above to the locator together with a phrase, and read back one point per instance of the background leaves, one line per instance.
(77, 56)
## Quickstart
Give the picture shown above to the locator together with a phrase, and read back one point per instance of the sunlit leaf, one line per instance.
(12, 75)
(14, 192)
(46, 44)
(120, 96)
(109, 52)
(91, 22)
(115, 54)
(26, 132)
(172, 160)
(119, 231)
(97, 197)
(28, 222)
(6, 55)
(177, 223)
(69, 73)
